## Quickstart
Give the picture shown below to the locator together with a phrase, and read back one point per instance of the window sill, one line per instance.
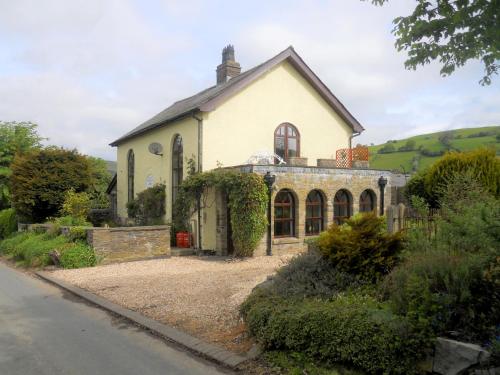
(285, 240)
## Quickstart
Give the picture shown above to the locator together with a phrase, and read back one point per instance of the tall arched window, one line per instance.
(367, 201)
(286, 141)
(177, 166)
(284, 214)
(314, 213)
(342, 206)
(130, 175)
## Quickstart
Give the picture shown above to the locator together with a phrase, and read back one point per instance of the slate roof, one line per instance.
(209, 99)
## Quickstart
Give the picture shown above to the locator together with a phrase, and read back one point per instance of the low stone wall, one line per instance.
(129, 243)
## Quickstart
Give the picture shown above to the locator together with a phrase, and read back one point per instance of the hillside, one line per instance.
(418, 152)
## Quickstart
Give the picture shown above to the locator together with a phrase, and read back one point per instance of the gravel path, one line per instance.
(200, 295)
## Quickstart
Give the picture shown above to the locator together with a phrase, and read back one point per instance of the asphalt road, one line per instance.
(44, 330)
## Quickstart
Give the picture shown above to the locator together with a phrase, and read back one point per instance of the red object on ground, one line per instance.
(182, 239)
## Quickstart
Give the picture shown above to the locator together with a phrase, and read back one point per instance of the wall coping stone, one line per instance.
(131, 229)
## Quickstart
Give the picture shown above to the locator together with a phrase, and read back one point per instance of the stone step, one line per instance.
(180, 252)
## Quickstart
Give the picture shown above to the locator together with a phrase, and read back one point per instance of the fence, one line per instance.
(401, 217)
(347, 156)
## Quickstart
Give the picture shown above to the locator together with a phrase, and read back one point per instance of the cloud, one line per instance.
(89, 71)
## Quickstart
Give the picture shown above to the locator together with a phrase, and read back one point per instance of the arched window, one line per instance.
(342, 206)
(287, 141)
(177, 166)
(314, 213)
(284, 214)
(130, 175)
(367, 201)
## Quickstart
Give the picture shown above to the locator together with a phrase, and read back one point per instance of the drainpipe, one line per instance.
(200, 141)
(200, 168)
(269, 181)
(351, 137)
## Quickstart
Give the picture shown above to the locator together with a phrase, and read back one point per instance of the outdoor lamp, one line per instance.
(382, 182)
(269, 181)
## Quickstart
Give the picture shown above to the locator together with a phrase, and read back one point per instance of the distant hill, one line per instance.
(111, 166)
(416, 153)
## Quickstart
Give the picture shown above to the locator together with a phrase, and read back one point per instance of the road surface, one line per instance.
(46, 331)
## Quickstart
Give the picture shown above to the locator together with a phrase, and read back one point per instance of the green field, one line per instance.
(408, 161)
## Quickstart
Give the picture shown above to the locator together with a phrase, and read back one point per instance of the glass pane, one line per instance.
(316, 211)
(280, 146)
(278, 228)
(278, 212)
(292, 147)
(309, 211)
(291, 131)
(281, 130)
(287, 212)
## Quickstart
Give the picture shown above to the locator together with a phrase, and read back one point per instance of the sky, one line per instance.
(88, 71)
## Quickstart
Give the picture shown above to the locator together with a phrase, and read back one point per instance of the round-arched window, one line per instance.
(284, 214)
(286, 141)
(367, 201)
(342, 206)
(130, 175)
(314, 213)
(177, 166)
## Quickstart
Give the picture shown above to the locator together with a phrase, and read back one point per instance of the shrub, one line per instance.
(77, 233)
(483, 165)
(77, 255)
(40, 179)
(361, 246)
(69, 221)
(32, 249)
(311, 275)
(8, 222)
(450, 292)
(148, 208)
(470, 217)
(76, 205)
(351, 329)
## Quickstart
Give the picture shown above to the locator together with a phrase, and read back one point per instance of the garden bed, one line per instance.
(200, 295)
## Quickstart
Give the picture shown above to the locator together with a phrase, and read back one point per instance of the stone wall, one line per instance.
(129, 243)
(301, 181)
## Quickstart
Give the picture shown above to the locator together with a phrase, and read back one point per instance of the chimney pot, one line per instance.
(229, 68)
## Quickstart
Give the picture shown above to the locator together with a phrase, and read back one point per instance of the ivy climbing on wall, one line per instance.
(247, 195)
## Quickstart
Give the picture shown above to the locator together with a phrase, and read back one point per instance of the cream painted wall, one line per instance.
(147, 164)
(245, 123)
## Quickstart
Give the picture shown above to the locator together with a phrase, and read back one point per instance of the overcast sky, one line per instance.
(88, 71)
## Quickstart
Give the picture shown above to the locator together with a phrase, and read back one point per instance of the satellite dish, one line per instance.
(155, 148)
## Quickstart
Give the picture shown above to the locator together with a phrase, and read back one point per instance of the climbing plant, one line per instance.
(247, 201)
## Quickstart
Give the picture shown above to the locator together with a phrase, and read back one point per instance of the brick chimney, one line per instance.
(229, 67)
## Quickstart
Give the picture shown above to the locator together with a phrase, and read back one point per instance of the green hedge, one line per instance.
(8, 222)
(353, 330)
(32, 250)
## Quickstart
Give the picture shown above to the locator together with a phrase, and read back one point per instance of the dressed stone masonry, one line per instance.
(129, 243)
(300, 181)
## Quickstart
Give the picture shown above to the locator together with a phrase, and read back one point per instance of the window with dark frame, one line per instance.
(284, 214)
(342, 207)
(314, 213)
(286, 141)
(177, 166)
(130, 175)
(367, 201)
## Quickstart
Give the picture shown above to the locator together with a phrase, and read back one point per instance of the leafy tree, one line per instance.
(409, 145)
(452, 31)
(388, 148)
(100, 181)
(40, 179)
(15, 137)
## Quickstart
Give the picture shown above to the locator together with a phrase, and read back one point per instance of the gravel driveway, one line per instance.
(200, 295)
